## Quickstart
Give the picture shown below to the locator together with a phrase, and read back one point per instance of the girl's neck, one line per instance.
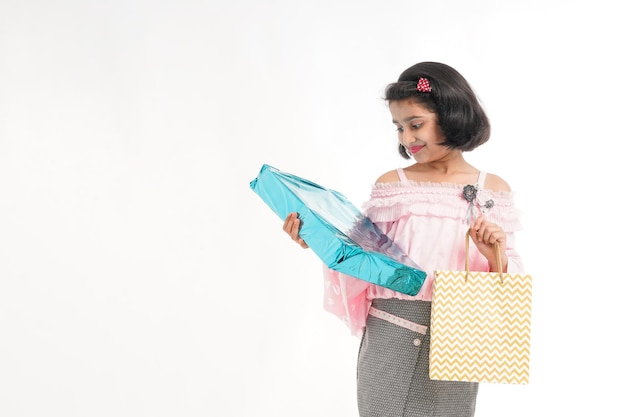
(452, 170)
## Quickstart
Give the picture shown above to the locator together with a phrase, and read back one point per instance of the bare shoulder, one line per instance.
(391, 176)
(495, 183)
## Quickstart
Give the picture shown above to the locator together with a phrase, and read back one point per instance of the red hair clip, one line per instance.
(423, 86)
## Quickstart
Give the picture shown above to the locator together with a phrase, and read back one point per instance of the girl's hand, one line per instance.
(292, 228)
(484, 235)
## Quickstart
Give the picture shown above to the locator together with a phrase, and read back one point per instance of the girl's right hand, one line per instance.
(292, 228)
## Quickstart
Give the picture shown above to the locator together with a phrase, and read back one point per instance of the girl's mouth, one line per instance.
(415, 149)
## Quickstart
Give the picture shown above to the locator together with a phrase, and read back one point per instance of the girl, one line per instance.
(426, 209)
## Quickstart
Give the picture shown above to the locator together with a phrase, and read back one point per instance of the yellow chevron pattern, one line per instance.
(480, 329)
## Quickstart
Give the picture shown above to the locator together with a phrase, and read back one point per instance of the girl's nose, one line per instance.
(406, 137)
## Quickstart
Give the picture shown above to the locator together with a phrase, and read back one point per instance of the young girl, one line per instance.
(426, 209)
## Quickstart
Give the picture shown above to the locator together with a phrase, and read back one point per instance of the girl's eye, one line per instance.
(399, 129)
(417, 126)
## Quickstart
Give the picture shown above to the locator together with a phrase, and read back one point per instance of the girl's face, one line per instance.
(418, 130)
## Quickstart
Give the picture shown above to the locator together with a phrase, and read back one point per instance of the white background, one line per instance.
(140, 275)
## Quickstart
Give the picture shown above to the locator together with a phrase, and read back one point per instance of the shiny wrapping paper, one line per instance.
(339, 234)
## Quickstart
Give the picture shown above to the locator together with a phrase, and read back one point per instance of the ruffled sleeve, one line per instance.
(515, 261)
(346, 298)
(391, 201)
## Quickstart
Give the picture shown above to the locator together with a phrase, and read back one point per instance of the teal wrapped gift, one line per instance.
(343, 238)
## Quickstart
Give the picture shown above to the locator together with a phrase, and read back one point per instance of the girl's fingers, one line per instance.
(485, 232)
(291, 226)
(287, 223)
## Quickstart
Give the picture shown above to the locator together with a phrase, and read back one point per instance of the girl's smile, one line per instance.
(415, 149)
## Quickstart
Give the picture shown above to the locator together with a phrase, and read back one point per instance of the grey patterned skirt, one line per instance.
(392, 372)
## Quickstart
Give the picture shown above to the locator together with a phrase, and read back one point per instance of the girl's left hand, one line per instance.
(485, 234)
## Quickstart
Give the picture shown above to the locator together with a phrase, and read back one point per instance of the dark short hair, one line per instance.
(462, 119)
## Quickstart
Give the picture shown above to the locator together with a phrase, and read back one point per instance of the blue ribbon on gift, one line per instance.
(340, 235)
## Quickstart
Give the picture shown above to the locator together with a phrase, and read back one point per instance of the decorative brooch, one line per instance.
(470, 193)
(423, 85)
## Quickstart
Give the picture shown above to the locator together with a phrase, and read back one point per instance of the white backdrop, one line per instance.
(140, 275)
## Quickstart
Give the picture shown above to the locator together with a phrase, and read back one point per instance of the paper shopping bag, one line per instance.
(480, 326)
(342, 237)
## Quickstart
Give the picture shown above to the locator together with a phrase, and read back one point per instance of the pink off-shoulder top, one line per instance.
(428, 221)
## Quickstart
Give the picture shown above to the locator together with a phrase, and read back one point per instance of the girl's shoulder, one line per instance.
(387, 177)
(496, 183)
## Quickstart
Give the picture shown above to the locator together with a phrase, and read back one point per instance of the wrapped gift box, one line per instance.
(339, 234)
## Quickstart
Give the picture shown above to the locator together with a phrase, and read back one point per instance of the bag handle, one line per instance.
(496, 247)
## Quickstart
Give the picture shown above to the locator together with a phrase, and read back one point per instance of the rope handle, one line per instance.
(496, 247)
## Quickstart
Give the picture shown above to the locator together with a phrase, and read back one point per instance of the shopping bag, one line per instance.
(341, 236)
(480, 326)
